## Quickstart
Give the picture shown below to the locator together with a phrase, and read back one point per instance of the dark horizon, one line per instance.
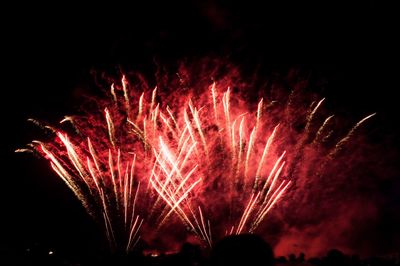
(350, 48)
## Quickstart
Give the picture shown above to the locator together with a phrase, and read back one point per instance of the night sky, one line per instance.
(51, 51)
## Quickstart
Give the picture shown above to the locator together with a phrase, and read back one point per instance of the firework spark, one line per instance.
(204, 159)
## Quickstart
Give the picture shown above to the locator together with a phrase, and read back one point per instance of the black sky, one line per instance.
(49, 51)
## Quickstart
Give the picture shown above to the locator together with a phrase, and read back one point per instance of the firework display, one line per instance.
(204, 158)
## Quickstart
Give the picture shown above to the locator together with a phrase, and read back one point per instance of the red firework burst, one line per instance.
(203, 156)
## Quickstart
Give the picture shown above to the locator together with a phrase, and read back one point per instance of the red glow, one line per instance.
(205, 158)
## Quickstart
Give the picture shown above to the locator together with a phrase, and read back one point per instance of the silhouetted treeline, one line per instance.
(248, 250)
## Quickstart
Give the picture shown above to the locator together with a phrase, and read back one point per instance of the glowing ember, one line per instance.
(202, 156)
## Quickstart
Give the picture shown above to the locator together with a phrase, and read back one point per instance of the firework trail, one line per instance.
(204, 158)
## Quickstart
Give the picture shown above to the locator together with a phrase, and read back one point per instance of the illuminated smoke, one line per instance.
(203, 156)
